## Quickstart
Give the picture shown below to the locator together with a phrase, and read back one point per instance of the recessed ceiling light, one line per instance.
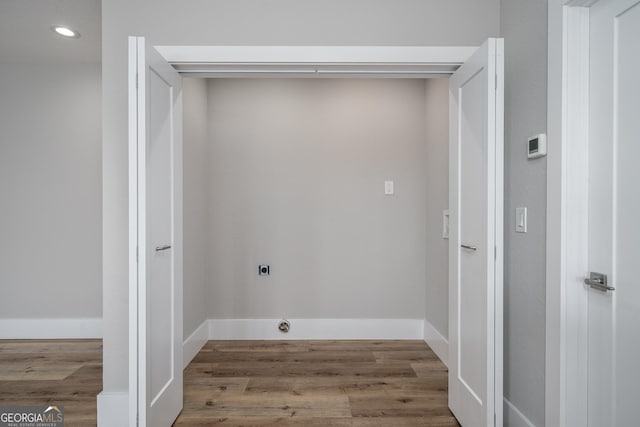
(65, 31)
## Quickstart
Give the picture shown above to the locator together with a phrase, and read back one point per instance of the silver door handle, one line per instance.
(162, 248)
(471, 248)
(599, 281)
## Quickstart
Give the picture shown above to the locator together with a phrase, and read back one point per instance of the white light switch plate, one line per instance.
(388, 187)
(445, 224)
(521, 220)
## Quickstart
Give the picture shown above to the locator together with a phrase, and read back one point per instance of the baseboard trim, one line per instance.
(317, 329)
(113, 409)
(194, 343)
(50, 328)
(513, 417)
(438, 343)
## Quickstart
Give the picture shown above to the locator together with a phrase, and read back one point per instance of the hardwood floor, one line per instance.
(316, 383)
(251, 383)
(58, 372)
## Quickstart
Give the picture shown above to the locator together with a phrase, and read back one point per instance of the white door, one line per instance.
(475, 240)
(614, 212)
(155, 148)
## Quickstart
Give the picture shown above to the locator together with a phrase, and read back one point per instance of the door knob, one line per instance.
(469, 247)
(162, 248)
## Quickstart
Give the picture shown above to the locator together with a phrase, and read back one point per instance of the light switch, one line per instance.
(521, 220)
(388, 187)
(445, 224)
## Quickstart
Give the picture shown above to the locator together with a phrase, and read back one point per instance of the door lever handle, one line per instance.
(471, 248)
(598, 281)
(162, 248)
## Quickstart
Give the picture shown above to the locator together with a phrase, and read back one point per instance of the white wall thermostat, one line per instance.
(537, 146)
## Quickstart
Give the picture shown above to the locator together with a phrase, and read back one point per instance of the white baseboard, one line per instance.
(194, 343)
(438, 343)
(113, 409)
(316, 329)
(513, 417)
(50, 328)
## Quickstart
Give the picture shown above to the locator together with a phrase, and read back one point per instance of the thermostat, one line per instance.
(537, 146)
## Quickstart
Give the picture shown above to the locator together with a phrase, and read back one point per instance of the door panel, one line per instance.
(473, 229)
(156, 179)
(475, 241)
(159, 222)
(614, 209)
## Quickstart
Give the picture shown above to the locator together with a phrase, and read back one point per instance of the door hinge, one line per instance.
(137, 253)
(495, 253)
(496, 81)
(136, 80)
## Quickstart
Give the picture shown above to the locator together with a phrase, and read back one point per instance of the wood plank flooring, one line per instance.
(251, 383)
(58, 372)
(316, 383)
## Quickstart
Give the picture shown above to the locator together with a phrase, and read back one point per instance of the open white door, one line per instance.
(475, 240)
(613, 294)
(155, 238)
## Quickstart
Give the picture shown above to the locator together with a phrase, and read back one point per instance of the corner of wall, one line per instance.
(438, 343)
(194, 343)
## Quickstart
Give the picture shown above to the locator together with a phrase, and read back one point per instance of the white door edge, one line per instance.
(499, 240)
(567, 190)
(134, 196)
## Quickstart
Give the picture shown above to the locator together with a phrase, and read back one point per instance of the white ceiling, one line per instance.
(26, 36)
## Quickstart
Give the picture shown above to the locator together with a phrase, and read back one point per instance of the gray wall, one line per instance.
(50, 184)
(437, 180)
(297, 182)
(261, 22)
(524, 27)
(196, 204)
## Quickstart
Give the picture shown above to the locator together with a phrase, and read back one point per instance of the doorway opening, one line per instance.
(330, 191)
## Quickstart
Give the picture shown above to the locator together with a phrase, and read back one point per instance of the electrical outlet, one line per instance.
(263, 270)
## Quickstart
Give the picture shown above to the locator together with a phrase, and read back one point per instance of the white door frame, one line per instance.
(135, 188)
(567, 198)
(298, 61)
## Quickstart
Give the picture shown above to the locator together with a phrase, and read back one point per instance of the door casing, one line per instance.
(567, 196)
(306, 61)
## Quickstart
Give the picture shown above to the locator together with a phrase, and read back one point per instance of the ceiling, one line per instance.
(26, 36)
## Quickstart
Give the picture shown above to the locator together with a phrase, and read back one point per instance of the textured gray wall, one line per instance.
(437, 179)
(50, 184)
(524, 27)
(196, 204)
(253, 22)
(297, 181)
